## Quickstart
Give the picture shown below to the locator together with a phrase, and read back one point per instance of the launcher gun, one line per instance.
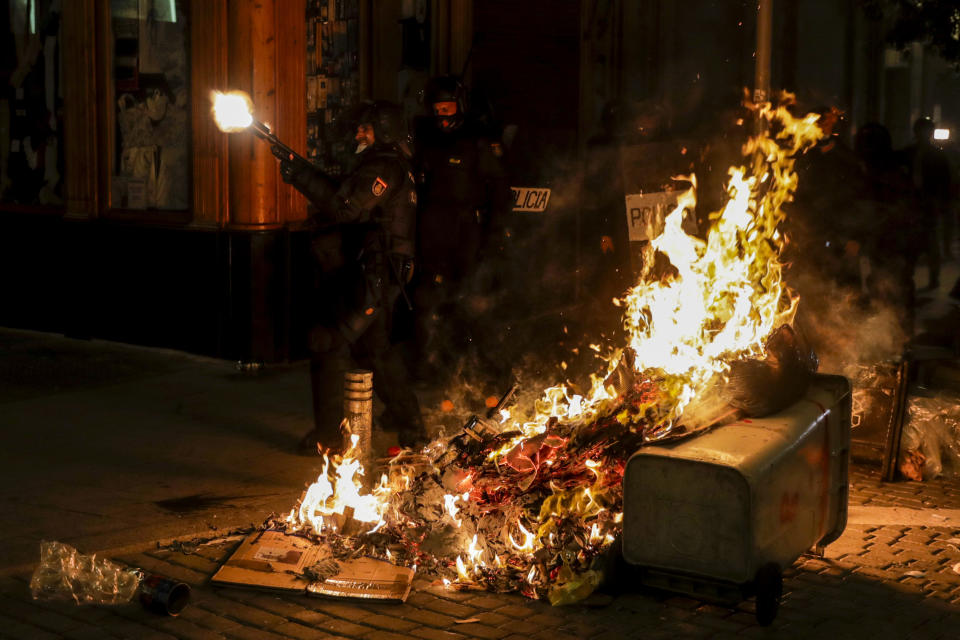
(278, 148)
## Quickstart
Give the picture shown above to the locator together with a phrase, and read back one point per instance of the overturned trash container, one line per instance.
(719, 516)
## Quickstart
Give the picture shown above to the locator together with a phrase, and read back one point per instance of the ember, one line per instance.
(531, 500)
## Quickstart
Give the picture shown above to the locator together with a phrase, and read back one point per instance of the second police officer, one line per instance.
(463, 192)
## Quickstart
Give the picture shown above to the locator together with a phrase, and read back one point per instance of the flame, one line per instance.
(595, 535)
(724, 299)
(232, 111)
(721, 299)
(450, 504)
(528, 545)
(472, 566)
(462, 573)
(339, 491)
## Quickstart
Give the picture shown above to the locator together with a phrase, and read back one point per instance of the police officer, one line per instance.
(463, 190)
(376, 205)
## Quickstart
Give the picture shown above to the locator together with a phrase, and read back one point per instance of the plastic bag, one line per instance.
(66, 574)
(930, 442)
(572, 587)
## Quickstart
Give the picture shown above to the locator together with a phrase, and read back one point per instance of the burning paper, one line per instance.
(530, 500)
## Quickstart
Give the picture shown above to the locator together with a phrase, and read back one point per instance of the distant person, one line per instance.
(929, 170)
(376, 207)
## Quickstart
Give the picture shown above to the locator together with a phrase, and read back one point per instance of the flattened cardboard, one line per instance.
(366, 579)
(274, 561)
(270, 560)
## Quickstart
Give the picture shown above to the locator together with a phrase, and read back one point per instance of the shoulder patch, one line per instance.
(379, 186)
(454, 160)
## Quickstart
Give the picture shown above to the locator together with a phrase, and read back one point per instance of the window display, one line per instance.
(151, 83)
(31, 124)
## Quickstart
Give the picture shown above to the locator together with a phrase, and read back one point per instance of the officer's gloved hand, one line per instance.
(295, 172)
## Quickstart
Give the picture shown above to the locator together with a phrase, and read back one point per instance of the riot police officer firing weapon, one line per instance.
(375, 206)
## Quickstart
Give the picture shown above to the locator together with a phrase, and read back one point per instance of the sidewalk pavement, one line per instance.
(112, 448)
(109, 445)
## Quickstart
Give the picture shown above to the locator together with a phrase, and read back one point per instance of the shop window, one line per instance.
(31, 124)
(151, 97)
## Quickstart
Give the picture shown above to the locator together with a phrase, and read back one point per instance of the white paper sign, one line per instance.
(530, 199)
(136, 194)
(646, 213)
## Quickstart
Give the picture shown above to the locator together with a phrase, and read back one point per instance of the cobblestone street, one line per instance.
(882, 580)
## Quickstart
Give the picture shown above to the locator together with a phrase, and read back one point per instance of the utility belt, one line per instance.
(400, 268)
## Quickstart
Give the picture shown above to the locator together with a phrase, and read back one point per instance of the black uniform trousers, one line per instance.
(362, 340)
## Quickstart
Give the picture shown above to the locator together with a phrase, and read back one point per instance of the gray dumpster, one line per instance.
(720, 515)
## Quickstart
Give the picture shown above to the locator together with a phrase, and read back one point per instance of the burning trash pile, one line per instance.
(531, 500)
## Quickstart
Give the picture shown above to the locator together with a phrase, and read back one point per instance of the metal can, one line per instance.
(164, 595)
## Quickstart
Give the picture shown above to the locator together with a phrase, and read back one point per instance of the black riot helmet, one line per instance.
(386, 118)
(440, 93)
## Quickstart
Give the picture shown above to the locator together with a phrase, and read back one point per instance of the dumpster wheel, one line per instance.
(768, 584)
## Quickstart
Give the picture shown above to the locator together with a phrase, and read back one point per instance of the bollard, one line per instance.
(358, 410)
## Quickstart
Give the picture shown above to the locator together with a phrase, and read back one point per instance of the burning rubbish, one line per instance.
(531, 500)
(66, 574)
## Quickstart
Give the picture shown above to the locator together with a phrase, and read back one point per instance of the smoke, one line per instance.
(846, 328)
(525, 313)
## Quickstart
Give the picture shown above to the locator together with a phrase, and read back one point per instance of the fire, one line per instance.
(338, 495)
(528, 540)
(469, 569)
(550, 467)
(450, 504)
(232, 111)
(724, 300)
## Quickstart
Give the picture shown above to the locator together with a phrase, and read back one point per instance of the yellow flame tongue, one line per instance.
(338, 491)
(727, 296)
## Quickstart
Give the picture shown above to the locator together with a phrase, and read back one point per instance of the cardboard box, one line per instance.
(275, 561)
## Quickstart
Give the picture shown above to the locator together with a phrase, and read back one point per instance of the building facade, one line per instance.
(127, 215)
